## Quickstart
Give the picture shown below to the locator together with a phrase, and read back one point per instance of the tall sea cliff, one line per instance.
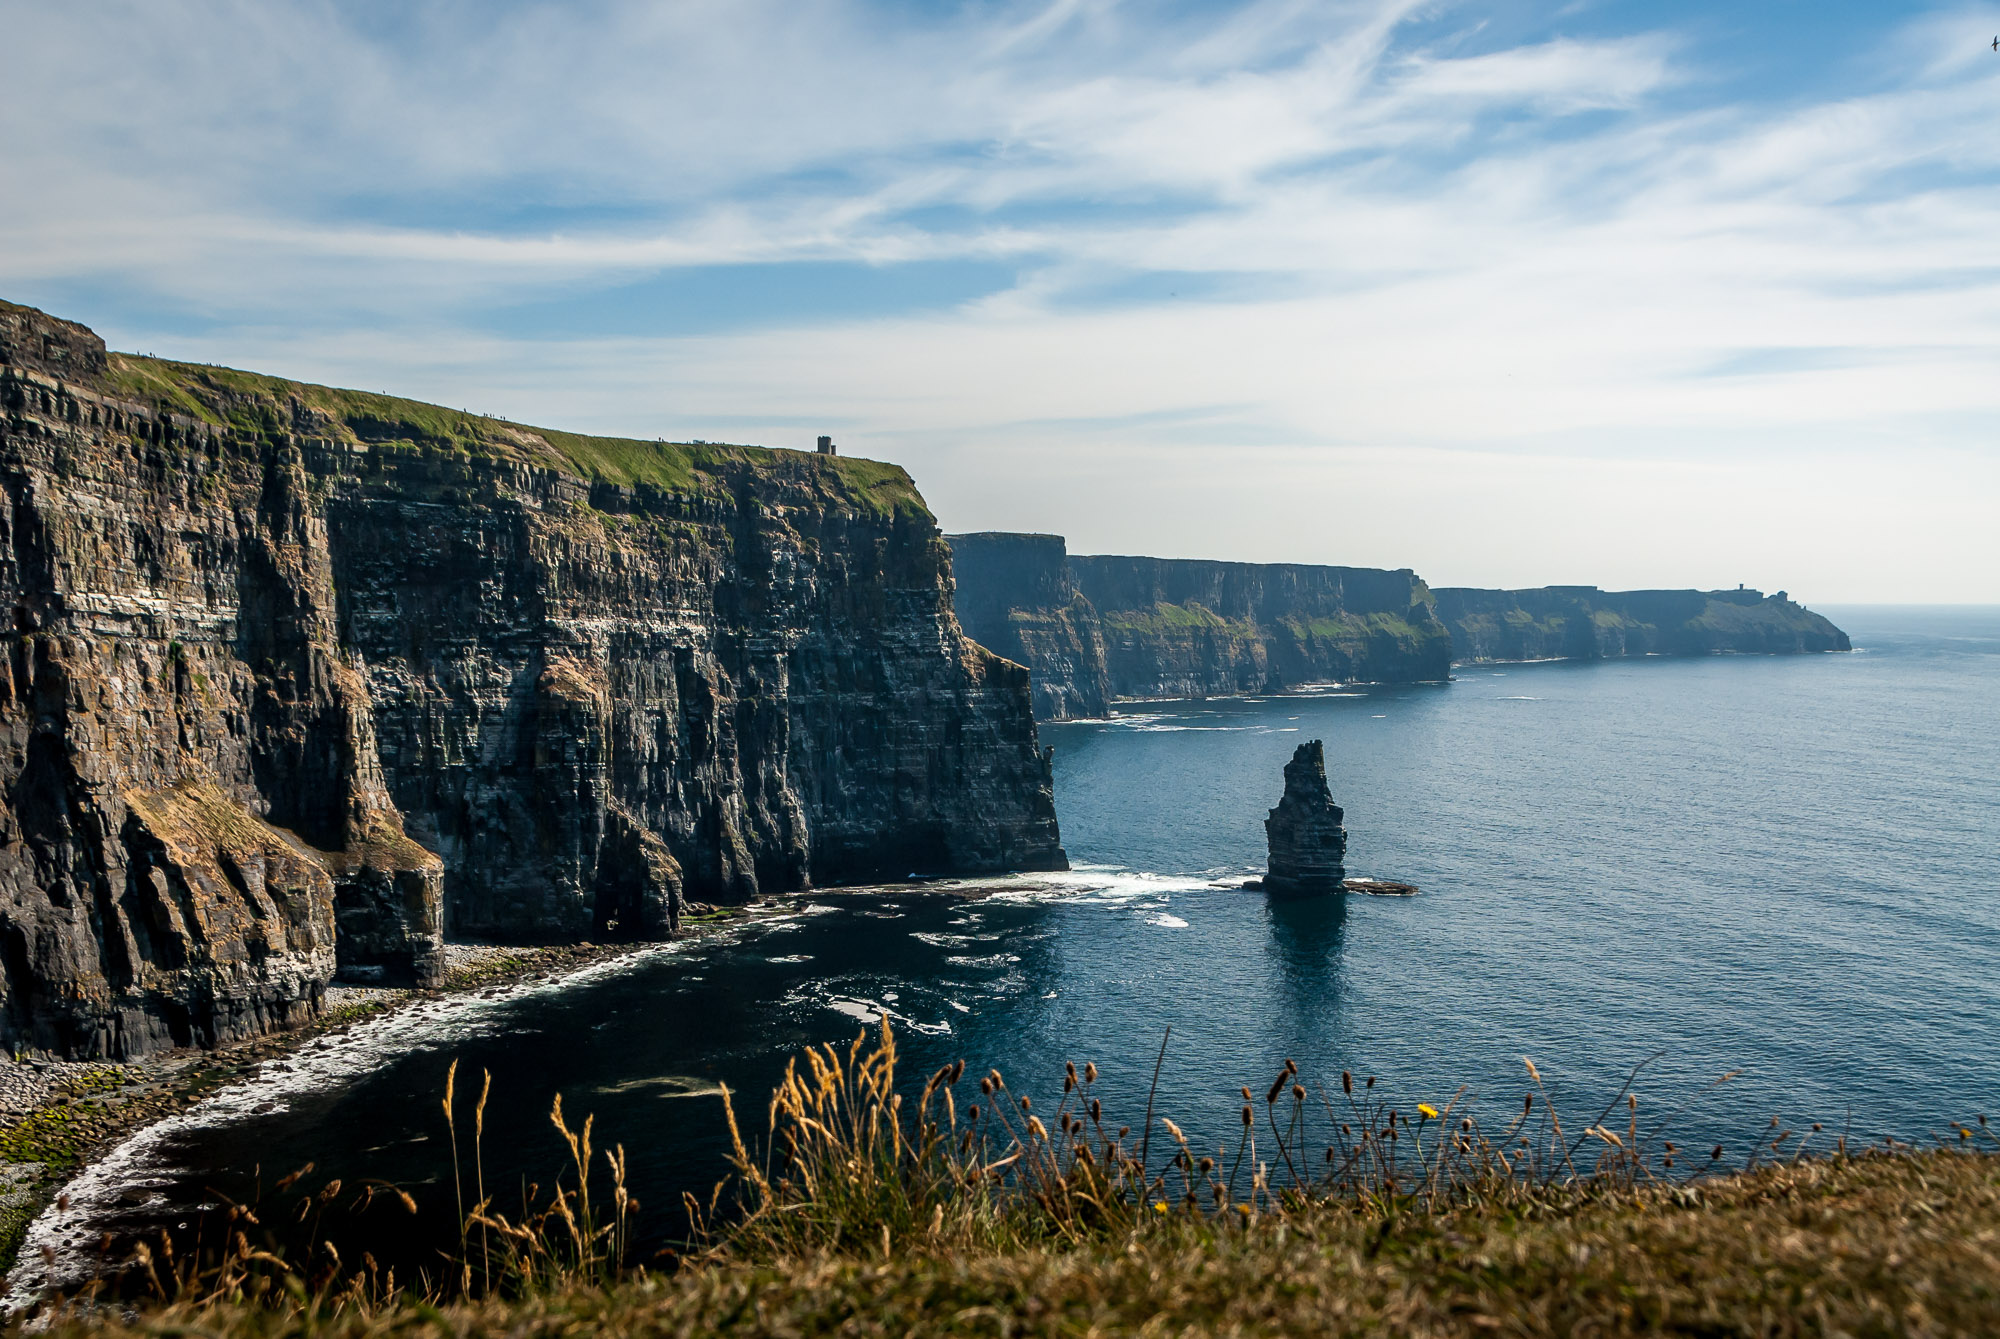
(1102, 627)
(299, 679)
(1096, 629)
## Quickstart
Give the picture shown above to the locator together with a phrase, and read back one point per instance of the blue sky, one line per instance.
(1513, 294)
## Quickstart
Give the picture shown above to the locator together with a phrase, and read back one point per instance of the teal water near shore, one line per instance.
(1787, 866)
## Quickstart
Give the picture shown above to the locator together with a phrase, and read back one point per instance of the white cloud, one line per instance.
(1519, 313)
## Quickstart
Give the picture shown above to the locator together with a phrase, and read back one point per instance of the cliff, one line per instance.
(298, 679)
(1092, 629)
(1585, 623)
(1017, 595)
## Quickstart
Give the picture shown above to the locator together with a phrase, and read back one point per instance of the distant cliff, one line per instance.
(297, 679)
(1585, 623)
(1093, 629)
(1017, 595)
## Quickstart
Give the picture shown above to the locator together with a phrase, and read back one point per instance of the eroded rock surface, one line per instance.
(296, 679)
(1308, 843)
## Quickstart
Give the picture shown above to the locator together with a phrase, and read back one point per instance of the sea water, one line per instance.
(1780, 868)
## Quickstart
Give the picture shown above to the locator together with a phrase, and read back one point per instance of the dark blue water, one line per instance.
(1783, 866)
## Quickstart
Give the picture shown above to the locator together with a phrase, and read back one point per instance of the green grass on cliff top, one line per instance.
(255, 404)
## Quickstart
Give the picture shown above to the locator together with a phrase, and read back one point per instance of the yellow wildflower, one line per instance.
(1428, 1110)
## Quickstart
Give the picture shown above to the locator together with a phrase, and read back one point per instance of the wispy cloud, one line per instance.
(1565, 259)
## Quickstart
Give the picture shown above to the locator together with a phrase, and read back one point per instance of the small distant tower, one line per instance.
(826, 447)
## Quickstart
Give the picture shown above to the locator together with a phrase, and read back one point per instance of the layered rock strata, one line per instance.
(298, 679)
(1585, 623)
(1095, 629)
(1016, 594)
(1307, 842)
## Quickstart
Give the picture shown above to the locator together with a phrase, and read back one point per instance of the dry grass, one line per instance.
(1885, 1244)
(868, 1208)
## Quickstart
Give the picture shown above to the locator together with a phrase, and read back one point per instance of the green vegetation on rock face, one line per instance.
(1584, 623)
(1096, 629)
(259, 405)
(1353, 628)
(1164, 618)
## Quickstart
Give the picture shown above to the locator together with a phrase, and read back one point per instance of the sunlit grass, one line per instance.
(961, 1206)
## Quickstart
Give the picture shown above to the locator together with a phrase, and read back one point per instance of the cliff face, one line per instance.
(1585, 623)
(1176, 627)
(1017, 595)
(299, 678)
(1096, 628)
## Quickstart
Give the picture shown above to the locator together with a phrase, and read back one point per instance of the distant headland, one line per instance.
(1093, 630)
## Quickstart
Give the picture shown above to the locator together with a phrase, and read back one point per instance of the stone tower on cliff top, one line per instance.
(1308, 844)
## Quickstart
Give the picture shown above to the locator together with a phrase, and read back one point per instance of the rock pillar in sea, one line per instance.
(1308, 844)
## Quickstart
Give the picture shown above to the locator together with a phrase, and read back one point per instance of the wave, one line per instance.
(98, 1199)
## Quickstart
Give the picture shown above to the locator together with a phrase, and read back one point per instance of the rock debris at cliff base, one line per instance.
(298, 680)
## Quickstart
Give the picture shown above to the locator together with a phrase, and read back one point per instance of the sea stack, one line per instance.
(1308, 844)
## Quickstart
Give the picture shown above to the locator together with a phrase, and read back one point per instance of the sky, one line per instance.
(1611, 293)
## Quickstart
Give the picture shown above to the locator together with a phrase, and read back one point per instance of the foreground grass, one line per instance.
(874, 1207)
(1885, 1244)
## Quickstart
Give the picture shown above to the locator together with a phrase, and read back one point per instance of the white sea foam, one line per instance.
(874, 1011)
(1167, 921)
(140, 1164)
(665, 1085)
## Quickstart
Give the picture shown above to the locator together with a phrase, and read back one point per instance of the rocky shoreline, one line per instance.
(57, 1117)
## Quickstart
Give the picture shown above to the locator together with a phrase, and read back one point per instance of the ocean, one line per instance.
(1783, 869)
